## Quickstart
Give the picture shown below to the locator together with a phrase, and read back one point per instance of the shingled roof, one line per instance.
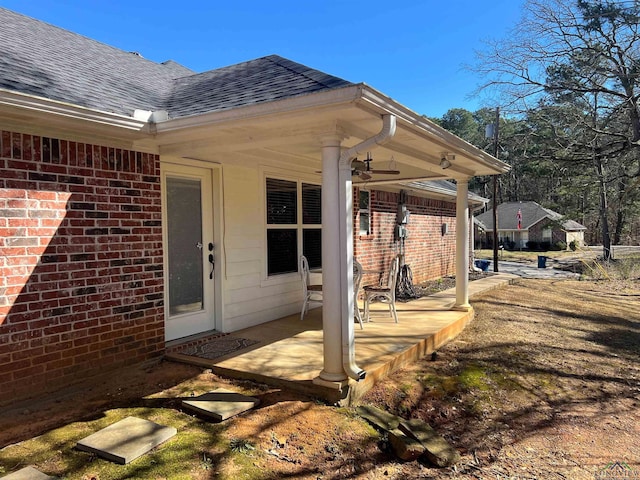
(262, 80)
(532, 213)
(46, 61)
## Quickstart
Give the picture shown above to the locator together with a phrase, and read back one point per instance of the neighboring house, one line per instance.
(523, 224)
(143, 202)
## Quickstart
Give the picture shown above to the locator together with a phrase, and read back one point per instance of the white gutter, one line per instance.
(41, 105)
(348, 300)
(430, 130)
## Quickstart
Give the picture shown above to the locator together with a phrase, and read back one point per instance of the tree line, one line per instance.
(567, 81)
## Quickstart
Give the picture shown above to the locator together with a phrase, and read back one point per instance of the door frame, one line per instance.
(215, 171)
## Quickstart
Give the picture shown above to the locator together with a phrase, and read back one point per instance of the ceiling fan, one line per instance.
(362, 168)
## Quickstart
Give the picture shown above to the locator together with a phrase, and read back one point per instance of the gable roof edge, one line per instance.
(337, 96)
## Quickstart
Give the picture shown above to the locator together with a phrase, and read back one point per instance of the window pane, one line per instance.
(312, 246)
(184, 232)
(282, 251)
(311, 204)
(364, 223)
(364, 200)
(281, 202)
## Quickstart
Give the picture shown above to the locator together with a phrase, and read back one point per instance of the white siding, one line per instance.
(249, 297)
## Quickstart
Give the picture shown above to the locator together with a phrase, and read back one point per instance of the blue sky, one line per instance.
(412, 51)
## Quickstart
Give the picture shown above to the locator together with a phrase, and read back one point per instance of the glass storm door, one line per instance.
(189, 251)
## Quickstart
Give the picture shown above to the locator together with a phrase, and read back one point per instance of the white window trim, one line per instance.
(299, 178)
(365, 210)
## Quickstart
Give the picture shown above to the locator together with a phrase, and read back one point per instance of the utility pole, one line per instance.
(495, 192)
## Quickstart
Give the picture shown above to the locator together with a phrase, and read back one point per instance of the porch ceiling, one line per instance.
(289, 133)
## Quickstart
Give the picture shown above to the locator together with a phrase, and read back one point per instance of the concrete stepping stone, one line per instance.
(220, 404)
(28, 473)
(126, 440)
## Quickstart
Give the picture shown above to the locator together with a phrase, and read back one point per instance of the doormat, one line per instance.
(217, 347)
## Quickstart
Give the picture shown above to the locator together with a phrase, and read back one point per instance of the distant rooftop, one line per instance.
(531, 213)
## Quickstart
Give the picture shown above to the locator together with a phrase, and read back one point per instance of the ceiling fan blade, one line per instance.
(385, 172)
(364, 176)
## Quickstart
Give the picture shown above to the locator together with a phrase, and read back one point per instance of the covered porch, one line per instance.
(289, 352)
(316, 139)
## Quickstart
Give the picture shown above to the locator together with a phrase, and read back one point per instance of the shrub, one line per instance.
(560, 246)
(545, 245)
(573, 245)
(532, 245)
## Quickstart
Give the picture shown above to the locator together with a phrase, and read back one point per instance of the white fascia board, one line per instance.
(425, 127)
(45, 107)
(327, 98)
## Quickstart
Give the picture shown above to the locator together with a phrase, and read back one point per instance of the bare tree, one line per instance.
(584, 55)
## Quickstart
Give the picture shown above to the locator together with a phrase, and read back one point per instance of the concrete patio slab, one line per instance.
(28, 473)
(221, 404)
(126, 440)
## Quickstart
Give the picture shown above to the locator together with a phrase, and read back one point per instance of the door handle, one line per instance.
(211, 261)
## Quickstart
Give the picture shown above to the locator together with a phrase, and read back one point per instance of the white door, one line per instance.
(189, 250)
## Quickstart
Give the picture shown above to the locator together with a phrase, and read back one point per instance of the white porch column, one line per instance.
(462, 245)
(333, 371)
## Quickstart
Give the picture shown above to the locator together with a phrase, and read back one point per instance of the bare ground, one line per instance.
(543, 384)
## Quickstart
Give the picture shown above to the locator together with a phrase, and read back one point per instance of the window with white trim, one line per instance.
(294, 225)
(364, 212)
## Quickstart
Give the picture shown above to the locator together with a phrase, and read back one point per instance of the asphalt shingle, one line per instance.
(262, 80)
(40, 59)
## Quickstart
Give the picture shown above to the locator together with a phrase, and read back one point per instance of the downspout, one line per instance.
(472, 244)
(346, 240)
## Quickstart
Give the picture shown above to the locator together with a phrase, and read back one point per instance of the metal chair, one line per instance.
(384, 293)
(311, 293)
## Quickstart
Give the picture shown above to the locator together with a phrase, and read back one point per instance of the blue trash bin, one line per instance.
(542, 261)
(483, 265)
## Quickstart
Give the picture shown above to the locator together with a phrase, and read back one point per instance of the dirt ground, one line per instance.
(543, 384)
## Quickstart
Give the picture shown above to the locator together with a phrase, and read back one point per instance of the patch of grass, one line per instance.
(406, 387)
(473, 377)
(54, 453)
(439, 386)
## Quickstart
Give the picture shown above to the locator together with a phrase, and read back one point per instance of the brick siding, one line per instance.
(557, 234)
(81, 286)
(428, 252)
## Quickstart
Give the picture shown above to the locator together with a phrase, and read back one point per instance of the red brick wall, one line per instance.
(557, 235)
(80, 260)
(428, 252)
